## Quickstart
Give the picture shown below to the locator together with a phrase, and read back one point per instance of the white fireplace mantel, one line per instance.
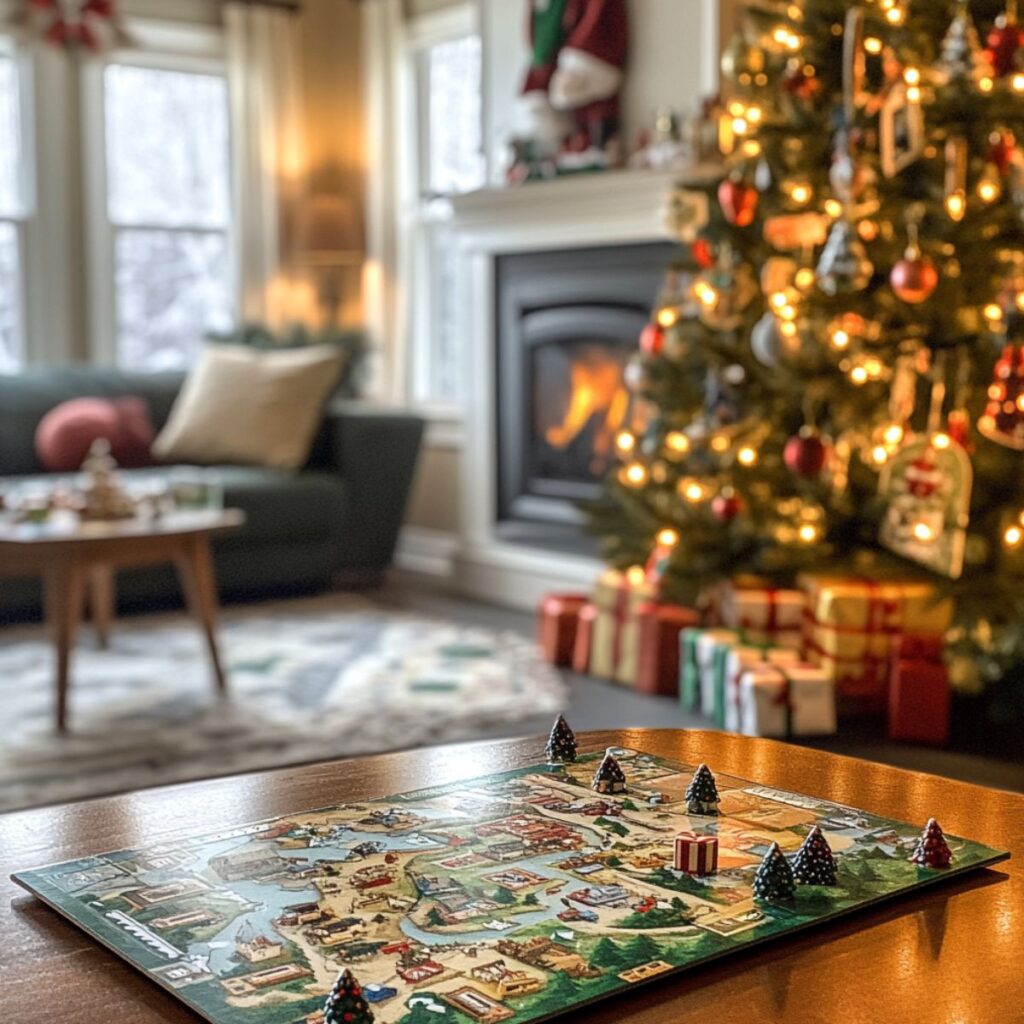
(615, 208)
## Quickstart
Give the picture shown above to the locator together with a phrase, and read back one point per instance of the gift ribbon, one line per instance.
(772, 625)
(620, 615)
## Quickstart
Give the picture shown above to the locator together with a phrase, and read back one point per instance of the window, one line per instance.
(13, 210)
(168, 205)
(447, 131)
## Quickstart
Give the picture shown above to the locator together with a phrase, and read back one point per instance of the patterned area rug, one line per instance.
(309, 681)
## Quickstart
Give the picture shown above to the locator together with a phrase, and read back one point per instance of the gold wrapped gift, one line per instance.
(889, 606)
(614, 652)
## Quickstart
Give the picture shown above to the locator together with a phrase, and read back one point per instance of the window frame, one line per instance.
(22, 220)
(423, 217)
(101, 232)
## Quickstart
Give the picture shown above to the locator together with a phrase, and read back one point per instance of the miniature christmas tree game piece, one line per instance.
(561, 748)
(702, 793)
(345, 1004)
(814, 863)
(609, 777)
(774, 879)
(932, 850)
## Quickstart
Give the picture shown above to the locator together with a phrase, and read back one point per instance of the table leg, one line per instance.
(65, 593)
(195, 568)
(101, 602)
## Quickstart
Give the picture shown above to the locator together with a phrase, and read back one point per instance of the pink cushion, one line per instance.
(66, 433)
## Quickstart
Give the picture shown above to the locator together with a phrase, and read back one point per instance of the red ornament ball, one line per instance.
(702, 254)
(914, 279)
(1002, 45)
(738, 201)
(806, 454)
(726, 506)
(652, 340)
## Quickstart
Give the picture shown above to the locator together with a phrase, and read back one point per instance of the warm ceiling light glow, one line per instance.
(746, 456)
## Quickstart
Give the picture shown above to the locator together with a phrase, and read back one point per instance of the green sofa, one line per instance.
(335, 521)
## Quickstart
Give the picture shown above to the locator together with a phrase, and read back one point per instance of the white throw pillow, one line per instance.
(250, 407)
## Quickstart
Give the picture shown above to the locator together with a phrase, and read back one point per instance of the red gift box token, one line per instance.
(558, 620)
(658, 639)
(696, 855)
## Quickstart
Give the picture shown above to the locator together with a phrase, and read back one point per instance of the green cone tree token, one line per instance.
(814, 863)
(702, 793)
(774, 879)
(932, 850)
(345, 1004)
(561, 747)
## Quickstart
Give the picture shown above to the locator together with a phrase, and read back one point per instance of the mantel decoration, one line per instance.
(571, 93)
(91, 25)
(838, 383)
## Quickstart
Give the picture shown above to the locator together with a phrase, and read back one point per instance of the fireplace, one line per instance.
(568, 323)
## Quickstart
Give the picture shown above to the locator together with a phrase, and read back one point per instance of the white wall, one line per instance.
(673, 62)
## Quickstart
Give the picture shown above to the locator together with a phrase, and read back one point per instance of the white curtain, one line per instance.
(269, 153)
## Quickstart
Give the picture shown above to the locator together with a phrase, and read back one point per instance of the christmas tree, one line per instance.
(774, 879)
(345, 1004)
(702, 793)
(932, 850)
(814, 863)
(609, 777)
(561, 748)
(834, 371)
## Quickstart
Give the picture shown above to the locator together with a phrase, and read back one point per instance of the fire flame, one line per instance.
(597, 391)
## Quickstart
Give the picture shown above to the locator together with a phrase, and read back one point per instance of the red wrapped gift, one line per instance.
(557, 622)
(696, 855)
(659, 629)
(919, 692)
(584, 637)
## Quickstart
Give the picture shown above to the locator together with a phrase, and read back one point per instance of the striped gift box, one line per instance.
(696, 855)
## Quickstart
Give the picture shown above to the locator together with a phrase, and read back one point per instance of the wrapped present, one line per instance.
(792, 639)
(660, 626)
(557, 625)
(847, 644)
(893, 607)
(919, 691)
(761, 609)
(782, 701)
(614, 651)
(584, 638)
(695, 854)
(689, 669)
(707, 654)
(737, 661)
(861, 684)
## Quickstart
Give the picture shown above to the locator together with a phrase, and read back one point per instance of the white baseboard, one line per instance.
(501, 574)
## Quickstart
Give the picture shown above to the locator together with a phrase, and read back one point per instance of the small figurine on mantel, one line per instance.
(103, 497)
(609, 777)
(702, 793)
(561, 748)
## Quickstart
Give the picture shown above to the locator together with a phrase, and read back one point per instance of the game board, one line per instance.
(513, 897)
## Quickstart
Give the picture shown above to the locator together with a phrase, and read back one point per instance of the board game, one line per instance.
(513, 897)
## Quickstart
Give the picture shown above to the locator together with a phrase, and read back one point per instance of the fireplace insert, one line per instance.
(568, 323)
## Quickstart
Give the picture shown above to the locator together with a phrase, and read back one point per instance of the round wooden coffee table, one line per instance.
(80, 561)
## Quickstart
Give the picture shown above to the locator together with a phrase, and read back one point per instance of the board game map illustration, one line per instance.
(513, 897)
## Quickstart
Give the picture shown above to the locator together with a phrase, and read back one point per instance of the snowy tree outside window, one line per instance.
(169, 204)
(12, 209)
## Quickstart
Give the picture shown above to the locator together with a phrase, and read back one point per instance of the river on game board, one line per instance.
(268, 901)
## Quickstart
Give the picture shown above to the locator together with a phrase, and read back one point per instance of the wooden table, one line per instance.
(80, 562)
(949, 955)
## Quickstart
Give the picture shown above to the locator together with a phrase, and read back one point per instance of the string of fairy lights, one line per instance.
(789, 303)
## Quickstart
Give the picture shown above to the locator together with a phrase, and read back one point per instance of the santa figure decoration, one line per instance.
(578, 53)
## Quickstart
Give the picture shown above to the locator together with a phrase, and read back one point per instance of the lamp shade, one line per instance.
(329, 230)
